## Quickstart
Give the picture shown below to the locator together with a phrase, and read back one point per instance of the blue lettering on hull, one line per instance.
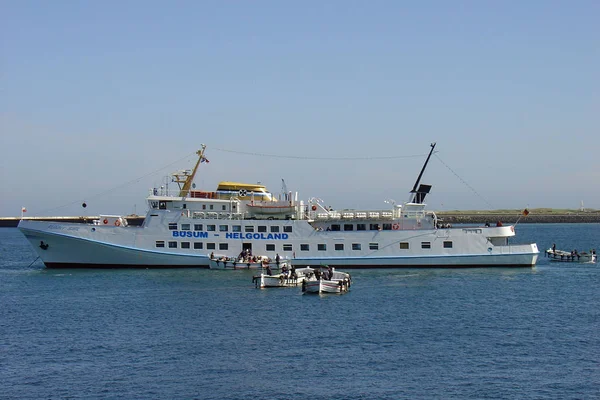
(190, 234)
(257, 236)
(235, 235)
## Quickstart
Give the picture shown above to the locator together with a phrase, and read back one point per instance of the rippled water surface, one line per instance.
(496, 333)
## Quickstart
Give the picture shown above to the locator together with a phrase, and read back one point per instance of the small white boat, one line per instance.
(338, 282)
(287, 278)
(256, 262)
(571, 256)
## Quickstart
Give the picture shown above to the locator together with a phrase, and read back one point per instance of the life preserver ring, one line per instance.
(105, 221)
(243, 193)
(314, 208)
(396, 227)
(117, 223)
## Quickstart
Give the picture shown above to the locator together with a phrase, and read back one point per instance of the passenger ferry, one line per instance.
(184, 229)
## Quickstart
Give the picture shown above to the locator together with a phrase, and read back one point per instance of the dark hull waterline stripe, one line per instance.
(424, 266)
(123, 266)
(119, 266)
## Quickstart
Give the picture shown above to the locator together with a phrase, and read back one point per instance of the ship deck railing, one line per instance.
(367, 215)
(211, 195)
(348, 215)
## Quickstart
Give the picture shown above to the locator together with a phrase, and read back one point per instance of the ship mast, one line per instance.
(187, 178)
(421, 192)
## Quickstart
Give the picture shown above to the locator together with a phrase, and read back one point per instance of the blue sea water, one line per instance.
(489, 333)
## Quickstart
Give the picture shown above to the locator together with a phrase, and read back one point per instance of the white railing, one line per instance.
(332, 215)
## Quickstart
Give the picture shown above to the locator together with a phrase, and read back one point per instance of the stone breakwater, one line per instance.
(482, 218)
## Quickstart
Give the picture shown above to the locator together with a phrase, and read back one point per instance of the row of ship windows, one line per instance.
(287, 247)
(361, 227)
(162, 205)
(275, 228)
(225, 228)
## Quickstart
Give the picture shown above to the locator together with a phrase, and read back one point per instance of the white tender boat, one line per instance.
(246, 262)
(183, 228)
(289, 278)
(337, 282)
(571, 256)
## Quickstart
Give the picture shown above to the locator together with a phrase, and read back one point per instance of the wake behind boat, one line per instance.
(182, 228)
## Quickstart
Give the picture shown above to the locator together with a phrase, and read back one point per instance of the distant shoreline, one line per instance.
(510, 218)
(452, 217)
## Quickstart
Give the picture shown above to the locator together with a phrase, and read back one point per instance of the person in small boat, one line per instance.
(212, 255)
(574, 254)
(554, 248)
(269, 272)
(499, 223)
(293, 274)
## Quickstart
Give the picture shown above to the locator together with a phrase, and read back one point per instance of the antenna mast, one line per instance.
(414, 189)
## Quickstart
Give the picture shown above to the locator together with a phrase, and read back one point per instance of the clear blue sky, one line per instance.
(95, 95)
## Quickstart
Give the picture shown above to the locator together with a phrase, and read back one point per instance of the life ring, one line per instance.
(105, 221)
(314, 208)
(243, 193)
(395, 227)
(117, 223)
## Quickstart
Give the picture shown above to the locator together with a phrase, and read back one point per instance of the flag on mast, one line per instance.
(23, 210)
(525, 212)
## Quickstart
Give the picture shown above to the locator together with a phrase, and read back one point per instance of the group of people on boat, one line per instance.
(498, 223)
(246, 257)
(573, 255)
(286, 273)
(326, 274)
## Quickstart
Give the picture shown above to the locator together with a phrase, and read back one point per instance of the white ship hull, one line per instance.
(81, 245)
(73, 250)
